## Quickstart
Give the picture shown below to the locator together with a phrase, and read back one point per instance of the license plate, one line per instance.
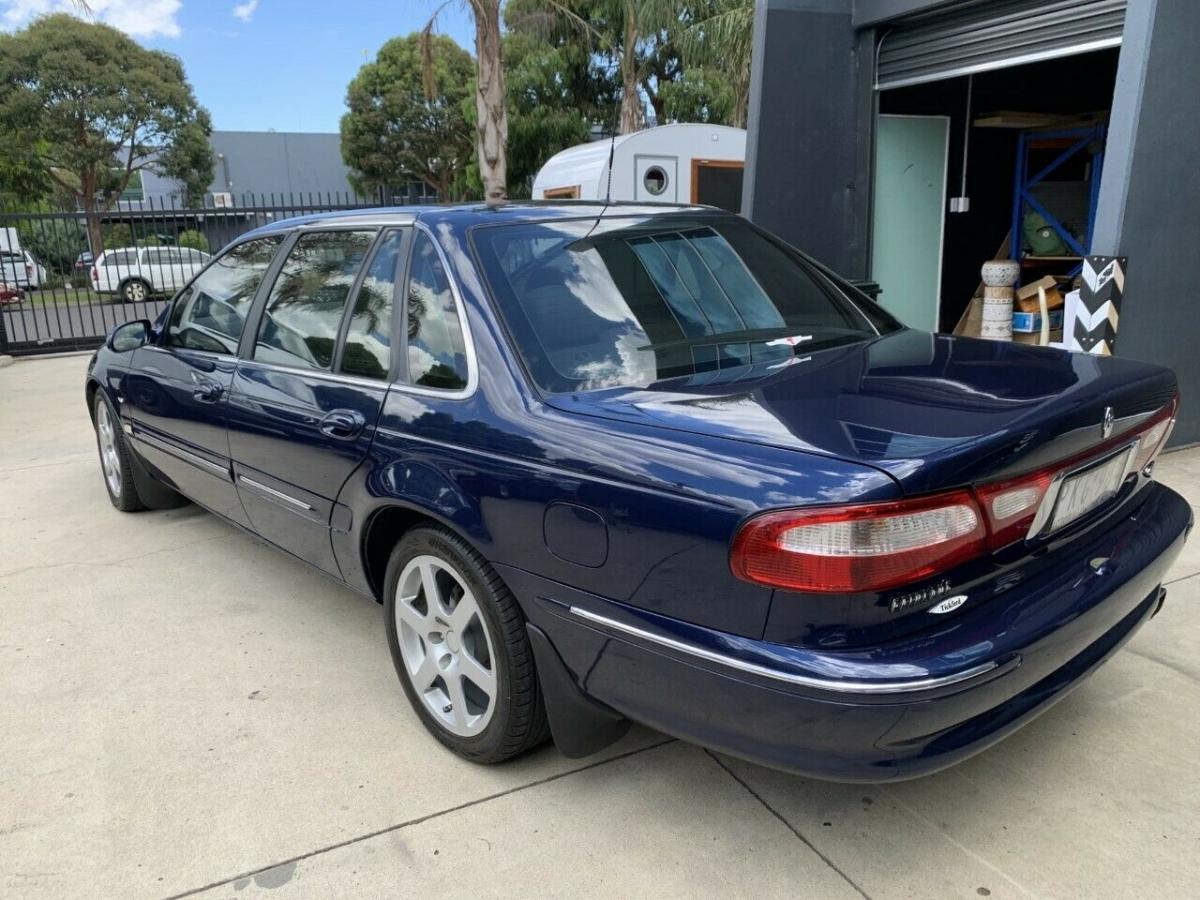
(1084, 491)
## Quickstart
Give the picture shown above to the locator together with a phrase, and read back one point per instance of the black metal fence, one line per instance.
(54, 296)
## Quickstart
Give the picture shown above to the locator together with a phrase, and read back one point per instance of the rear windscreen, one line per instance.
(627, 302)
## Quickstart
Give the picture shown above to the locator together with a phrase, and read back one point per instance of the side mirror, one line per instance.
(129, 336)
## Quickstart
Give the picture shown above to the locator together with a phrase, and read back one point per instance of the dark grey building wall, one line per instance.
(808, 151)
(278, 162)
(1150, 207)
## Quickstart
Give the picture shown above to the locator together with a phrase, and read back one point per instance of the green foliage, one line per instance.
(117, 235)
(95, 106)
(700, 95)
(189, 159)
(394, 132)
(556, 89)
(190, 237)
(55, 243)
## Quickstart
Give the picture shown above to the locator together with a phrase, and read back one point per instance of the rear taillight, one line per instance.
(875, 546)
(28, 270)
(95, 274)
(1154, 437)
(864, 547)
(1011, 505)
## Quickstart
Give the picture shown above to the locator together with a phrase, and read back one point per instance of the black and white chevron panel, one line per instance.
(1095, 328)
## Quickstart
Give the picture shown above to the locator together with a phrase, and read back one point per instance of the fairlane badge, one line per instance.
(921, 597)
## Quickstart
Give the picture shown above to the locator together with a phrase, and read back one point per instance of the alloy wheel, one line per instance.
(447, 649)
(109, 458)
(135, 292)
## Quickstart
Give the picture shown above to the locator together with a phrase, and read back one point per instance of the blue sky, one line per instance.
(259, 64)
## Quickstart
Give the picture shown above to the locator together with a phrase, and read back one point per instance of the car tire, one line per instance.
(114, 457)
(135, 290)
(444, 650)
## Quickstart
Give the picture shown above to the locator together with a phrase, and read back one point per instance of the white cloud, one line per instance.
(245, 11)
(137, 18)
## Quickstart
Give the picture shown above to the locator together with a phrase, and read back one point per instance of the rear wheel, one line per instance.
(458, 642)
(114, 458)
(135, 290)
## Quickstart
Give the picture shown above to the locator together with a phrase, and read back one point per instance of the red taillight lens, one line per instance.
(864, 547)
(1012, 505)
(95, 274)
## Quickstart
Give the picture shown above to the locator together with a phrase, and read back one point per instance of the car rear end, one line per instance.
(14, 270)
(1024, 539)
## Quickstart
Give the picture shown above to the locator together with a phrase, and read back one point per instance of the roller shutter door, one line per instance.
(979, 36)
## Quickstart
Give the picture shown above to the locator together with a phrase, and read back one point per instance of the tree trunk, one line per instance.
(632, 113)
(490, 108)
(87, 189)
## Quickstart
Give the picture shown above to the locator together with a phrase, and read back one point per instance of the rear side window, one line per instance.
(210, 312)
(120, 258)
(368, 348)
(437, 352)
(300, 322)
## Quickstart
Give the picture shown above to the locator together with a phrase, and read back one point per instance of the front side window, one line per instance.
(437, 351)
(300, 322)
(210, 312)
(368, 348)
(627, 302)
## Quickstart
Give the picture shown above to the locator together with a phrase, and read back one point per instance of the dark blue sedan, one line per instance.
(648, 463)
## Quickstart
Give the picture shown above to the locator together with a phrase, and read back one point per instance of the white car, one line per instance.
(18, 267)
(138, 272)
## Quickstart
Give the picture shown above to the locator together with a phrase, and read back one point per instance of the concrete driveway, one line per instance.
(187, 712)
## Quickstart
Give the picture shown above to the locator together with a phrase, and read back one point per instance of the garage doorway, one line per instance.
(718, 182)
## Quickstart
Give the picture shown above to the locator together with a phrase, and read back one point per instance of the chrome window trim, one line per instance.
(180, 453)
(808, 681)
(271, 492)
(379, 384)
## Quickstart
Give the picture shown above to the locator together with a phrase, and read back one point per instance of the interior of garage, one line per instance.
(1069, 94)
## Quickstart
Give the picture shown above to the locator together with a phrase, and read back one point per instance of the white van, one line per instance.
(137, 272)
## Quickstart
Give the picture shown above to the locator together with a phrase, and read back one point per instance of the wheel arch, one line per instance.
(384, 528)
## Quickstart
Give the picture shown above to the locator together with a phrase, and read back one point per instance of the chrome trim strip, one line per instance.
(824, 684)
(278, 495)
(379, 384)
(180, 453)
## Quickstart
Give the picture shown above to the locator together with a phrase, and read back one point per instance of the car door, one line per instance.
(177, 390)
(311, 382)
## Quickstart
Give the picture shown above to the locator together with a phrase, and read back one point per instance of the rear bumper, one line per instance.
(884, 713)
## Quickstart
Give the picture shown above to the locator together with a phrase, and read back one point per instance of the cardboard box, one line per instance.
(1031, 322)
(1026, 298)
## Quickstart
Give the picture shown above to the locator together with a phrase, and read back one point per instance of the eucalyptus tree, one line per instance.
(93, 108)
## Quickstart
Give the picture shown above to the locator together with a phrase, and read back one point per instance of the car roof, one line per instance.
(465, 215)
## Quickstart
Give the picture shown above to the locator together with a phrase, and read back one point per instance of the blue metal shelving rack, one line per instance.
(1079, 140)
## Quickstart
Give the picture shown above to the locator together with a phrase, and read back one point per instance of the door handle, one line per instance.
(207, 391)
(343, 424)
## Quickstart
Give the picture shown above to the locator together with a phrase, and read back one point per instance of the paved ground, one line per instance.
(186, 712)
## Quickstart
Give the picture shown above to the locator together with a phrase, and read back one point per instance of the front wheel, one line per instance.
(458, 641)
(135, 291)
(114, 458)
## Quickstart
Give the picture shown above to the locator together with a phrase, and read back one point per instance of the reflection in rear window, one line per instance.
(628, 302)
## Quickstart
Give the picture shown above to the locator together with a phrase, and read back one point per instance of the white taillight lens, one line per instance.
(1151, 442)
(865, 547)
(881, 536)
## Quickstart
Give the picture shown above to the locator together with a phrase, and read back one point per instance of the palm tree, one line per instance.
(491, 112)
